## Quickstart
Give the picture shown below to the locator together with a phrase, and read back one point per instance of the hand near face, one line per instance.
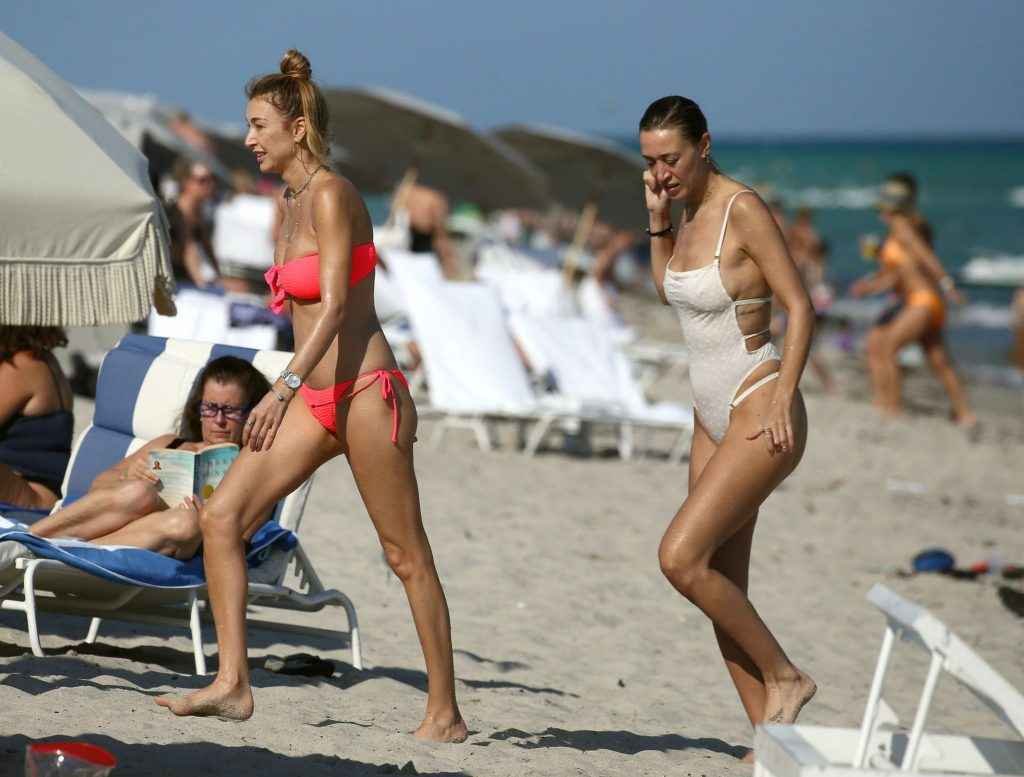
(655, 197)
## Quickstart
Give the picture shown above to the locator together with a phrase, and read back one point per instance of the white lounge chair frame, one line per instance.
(33, 585)
(878, 748)
(71, 591)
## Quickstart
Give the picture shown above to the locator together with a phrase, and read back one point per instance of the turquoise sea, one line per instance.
(971, 191)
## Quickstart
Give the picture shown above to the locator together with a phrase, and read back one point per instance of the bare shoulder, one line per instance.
(336, 194)
(23, 365)
(749, 208)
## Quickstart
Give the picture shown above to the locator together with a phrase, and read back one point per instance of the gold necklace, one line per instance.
(296, 209)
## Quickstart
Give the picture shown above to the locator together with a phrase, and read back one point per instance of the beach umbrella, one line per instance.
(588, 174)
(395, 138)
(150, 126)
(83, 239)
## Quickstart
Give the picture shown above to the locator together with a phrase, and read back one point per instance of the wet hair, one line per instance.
(678, 113)
(295, 94)
(675, 112)
(226, 369)
(38, 340)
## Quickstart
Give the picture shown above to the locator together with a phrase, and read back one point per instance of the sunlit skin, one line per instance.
(705, 552)
(922, 273)
(123, 505)
(337, 338)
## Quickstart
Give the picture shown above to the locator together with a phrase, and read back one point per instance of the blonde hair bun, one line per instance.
(295, 64)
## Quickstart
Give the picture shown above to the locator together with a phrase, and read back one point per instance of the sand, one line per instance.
(574, 656)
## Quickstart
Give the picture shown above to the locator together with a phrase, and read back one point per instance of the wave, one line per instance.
(841, 197)
(997, 269)
(1017, 197)
(984, 316)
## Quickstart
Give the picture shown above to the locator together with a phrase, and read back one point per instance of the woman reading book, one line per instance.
(342, 393)
(124, 505)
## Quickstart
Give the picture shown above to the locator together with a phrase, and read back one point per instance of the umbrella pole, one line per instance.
(408, 179)
(585, 225)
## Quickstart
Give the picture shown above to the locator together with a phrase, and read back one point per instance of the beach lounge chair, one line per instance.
(879, 747)
(474, 375)
(143, 383)
(523, 284)
(589, 368)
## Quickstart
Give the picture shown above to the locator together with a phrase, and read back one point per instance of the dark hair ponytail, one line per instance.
(679, 113)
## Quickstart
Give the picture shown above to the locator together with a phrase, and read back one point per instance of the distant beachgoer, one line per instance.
(123, 505)
(750, 425)
(911, 269)
(809, 251)
(191, 233)
(36, 421)
(427, 211)
(1017, 359)
(358, 404)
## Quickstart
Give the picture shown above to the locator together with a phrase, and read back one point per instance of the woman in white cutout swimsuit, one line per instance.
(720, 362)
(750, 425)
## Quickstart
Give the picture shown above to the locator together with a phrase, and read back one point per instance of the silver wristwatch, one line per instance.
(290, 379)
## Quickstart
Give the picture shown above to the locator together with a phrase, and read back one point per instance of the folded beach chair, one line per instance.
(880, 747)
(214, 316)
(589, 368)
(523, 284)
(143, 383)
(473, 372)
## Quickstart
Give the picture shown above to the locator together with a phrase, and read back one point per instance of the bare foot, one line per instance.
(442, 729)
(787, 697)
(215, 700)
(967, 421)
(748, 757)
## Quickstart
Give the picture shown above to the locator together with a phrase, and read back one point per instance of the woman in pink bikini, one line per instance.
(341, 393)
(719, 270)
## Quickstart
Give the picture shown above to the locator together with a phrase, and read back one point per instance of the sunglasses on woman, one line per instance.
(231, 412)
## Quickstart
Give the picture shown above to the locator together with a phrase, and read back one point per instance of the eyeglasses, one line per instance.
(202, 178)
(231, 412)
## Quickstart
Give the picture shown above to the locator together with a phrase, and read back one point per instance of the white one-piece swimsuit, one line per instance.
(719, 359)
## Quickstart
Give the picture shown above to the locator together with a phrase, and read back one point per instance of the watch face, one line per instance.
(293, 381)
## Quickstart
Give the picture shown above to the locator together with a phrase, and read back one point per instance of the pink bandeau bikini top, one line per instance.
(300, 278)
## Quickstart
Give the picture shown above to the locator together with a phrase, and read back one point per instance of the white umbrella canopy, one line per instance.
(584, 170)
(388, 134)
(83, 239)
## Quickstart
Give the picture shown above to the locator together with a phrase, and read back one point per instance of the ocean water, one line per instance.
(972, 192)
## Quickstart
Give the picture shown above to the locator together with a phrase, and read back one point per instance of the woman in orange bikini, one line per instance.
(911, 269)
(351, 399)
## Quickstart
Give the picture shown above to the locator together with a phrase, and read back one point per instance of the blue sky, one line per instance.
(784, 67)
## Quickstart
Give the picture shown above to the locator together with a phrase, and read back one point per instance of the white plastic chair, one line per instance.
(879, 747)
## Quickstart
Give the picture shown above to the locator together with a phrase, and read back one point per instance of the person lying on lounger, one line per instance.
(123, 505)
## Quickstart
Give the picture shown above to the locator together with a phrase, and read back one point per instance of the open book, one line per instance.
(184, 472)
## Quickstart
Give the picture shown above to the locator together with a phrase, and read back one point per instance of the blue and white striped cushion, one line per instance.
(142, 386)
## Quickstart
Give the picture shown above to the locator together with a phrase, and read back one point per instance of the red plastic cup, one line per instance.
(67, 759)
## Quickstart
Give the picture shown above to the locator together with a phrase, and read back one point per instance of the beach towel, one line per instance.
(135, 566)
